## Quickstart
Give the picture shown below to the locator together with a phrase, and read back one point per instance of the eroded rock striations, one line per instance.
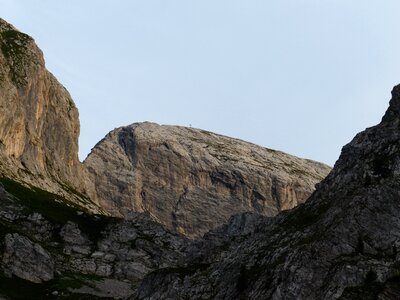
(192, 180)
(39, 124)
(343, 243)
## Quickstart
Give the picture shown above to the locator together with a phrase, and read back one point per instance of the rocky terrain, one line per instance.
(187, 179)
(191, 180)
(49, 251)
(343, 243)
(58, 236)
(56, 241)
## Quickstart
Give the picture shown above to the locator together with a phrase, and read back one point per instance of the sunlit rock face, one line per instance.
(192, 180)
(39, 123)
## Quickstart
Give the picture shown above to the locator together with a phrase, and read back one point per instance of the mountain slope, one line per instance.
(187, 179)
(39, 123)
(191, 180)
(343, 243)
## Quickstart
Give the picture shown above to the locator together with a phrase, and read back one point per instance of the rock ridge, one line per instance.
(192, 180)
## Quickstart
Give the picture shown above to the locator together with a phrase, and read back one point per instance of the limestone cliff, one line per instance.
(39, 123)
(192, 180)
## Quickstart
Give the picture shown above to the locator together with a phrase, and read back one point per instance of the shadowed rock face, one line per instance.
(39, 124)
(192, 180)
(67, 253)
(343, 243)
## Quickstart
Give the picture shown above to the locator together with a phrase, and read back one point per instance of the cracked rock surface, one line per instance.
(68, 253)
(26, 259)
(192, 180)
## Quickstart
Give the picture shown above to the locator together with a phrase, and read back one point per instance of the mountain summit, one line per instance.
(192, 180)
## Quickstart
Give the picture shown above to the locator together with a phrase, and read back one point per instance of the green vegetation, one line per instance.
(58, 211)
(13, 45)
(55, 208)
(13, 42)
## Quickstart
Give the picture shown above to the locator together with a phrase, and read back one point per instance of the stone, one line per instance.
(74, 257)
(39, 123)
(97, 254)
(191, 180)
(26, 259)
(71, 234)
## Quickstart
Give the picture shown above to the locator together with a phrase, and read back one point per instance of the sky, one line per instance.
(300, 76)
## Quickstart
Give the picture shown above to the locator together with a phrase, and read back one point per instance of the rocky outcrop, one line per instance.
(26, 259)
(343, 243)
(192, 180)
(72, 253)
(39, 124)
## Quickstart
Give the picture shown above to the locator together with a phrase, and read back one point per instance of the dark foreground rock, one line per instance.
(343, 243)
(26, 259)
(51, 250)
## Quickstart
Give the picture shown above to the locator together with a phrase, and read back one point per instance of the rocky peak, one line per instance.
(192, 180)
(372, 156)
(4, 26)
(39, 122)
(394, 106)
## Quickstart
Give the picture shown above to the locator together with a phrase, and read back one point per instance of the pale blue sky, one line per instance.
(302, 76)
